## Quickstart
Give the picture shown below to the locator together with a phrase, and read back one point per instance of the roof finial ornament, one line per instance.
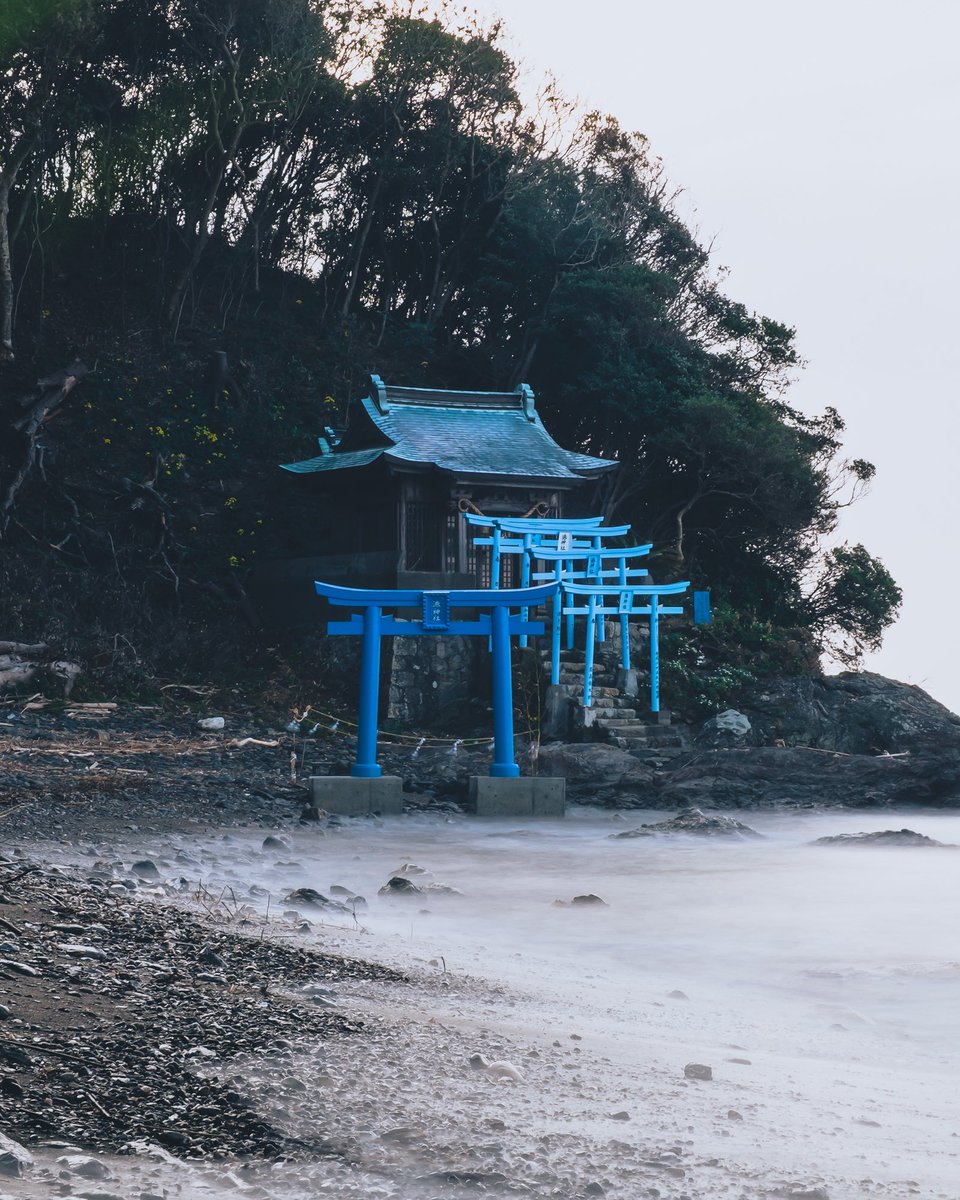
(526, 398)
(378, 394)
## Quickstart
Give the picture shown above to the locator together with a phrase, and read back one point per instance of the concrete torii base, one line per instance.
(524, 796)
(351, 797)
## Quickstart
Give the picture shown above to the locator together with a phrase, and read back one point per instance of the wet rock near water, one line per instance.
(15, 1160)
(309, 895)
(273, 842)
(587, 901)
(693, 821)
(884, 837)
(135, 1041)
(599, 774)
(401, 883)
(398, 885)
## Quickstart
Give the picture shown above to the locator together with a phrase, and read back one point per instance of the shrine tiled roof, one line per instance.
(476, 435)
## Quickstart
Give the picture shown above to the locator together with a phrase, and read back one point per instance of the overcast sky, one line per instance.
(817, 147)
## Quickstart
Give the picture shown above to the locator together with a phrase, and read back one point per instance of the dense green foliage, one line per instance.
(321, 189)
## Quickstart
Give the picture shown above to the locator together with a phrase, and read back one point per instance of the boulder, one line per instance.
(588, 901)
(399, 886)
(730, 728)
(692, 820)
(599, 774)
(15, 1160)
(309, 895)
(883, 837)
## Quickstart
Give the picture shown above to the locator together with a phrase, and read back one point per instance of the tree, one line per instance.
(222, 158)
(40, 45)
(853, 602)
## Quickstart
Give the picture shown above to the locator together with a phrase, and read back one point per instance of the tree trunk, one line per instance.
(6, 275)
(8, 177)
(177, 293)
(20, 439)
(361, 246)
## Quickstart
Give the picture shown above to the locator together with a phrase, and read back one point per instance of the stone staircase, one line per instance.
(615, 716)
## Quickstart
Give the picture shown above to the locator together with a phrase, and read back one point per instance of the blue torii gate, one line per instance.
(537, 526)
(524, 534)
(498, 623)
(594, 567)
(626, 601)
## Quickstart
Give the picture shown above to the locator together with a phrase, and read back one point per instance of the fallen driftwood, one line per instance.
(21, 663)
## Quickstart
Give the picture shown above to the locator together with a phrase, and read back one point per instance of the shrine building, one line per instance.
(382, 502)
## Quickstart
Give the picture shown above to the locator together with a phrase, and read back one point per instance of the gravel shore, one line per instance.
(112, 1004)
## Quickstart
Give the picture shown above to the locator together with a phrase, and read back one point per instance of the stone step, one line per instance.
(603, 655)
(605, 694)
(642, 741)
(637, 733)
(605, 698)
(621, 723)
(572, 674)
(606, 713)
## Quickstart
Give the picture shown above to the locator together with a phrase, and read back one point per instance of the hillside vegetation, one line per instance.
(231, 212)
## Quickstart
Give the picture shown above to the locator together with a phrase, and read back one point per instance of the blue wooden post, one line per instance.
(525, 579)
(588, 663)
(624, 619)
(555, 626)
(366, 766)
(654, 654)
(601, 630)
(495, 558)
(571, 628)
(503, 766)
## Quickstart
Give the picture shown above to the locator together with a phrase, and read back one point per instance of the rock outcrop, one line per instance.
(766, 776)
(850, 740)
(855, 713)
